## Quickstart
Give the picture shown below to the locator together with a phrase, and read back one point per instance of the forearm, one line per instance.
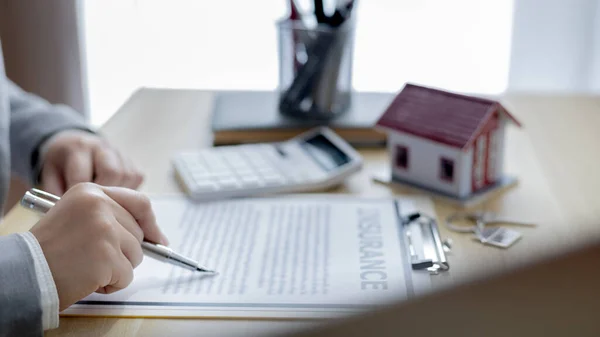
(32, 121)
(20, 297)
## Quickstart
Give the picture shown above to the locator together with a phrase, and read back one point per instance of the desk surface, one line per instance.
(555, 157)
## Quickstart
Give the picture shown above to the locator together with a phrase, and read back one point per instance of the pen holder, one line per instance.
(315, 69)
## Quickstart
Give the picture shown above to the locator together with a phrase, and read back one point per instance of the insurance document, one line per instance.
(288, 257)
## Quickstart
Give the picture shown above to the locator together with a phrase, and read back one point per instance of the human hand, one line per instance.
(74, 156)
(92, 239)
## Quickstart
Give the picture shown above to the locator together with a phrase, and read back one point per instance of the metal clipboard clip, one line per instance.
(434, 249)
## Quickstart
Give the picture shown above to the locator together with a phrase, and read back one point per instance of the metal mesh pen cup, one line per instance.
(315, 69)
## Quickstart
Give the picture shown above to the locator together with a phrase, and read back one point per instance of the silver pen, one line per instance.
(41, 202)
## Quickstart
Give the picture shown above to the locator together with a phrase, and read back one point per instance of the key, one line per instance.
(498, 236)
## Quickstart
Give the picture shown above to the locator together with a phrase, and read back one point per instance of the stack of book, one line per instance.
(253, 117)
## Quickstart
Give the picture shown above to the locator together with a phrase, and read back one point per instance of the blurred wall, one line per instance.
(43, 50)
(595, 73)
(555, 46)
(42, 46)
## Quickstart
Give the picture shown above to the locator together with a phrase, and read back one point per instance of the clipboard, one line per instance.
(431, 256)
(349, 255)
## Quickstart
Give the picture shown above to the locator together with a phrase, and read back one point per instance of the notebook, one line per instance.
(253, 117)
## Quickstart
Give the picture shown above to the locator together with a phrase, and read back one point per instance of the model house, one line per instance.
(449, 143)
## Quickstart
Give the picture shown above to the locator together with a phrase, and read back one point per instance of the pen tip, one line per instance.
(206, 271)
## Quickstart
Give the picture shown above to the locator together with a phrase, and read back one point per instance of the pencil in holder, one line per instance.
(315, 69)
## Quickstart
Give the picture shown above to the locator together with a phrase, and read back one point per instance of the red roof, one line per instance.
(438, 115)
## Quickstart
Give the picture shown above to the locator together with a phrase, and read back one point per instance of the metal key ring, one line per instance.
(477, 218)
(481, 220)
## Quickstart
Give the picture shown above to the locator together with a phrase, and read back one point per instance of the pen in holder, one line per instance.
(315, 69)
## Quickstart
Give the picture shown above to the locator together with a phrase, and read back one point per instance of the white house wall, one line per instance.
(424, 162)
(479, 148)
(497, 151)
(501, 149)
(492, 170)
(464, 184)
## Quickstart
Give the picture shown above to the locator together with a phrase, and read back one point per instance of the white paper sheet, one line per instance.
(291, 257)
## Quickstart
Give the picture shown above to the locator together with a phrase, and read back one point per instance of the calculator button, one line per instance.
(274, 179)
(251, 183)
(228, 183)
(241, 168)
(200, 176)
(273, 175)
(256, 160)
(203, 180)
(214, 160)
(205, 186)
(223, 174)
(234, 158)
(209, 160)
(197, 168)
(188, 157)
(244, 172)
(193, 165)
(256, 167)
(218, 168)
(266, 171)
(249, 177)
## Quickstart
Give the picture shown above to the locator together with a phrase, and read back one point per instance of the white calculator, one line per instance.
(315, 160)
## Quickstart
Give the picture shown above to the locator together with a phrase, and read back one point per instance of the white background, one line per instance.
(472, 46)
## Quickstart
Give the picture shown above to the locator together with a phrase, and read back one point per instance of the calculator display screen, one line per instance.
(325, 152)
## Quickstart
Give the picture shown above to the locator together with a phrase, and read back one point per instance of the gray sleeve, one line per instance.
(20, 303)
(33, 120)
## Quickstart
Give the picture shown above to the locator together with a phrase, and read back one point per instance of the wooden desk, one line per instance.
(556, 156)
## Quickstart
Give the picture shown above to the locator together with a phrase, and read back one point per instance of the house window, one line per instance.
(447, 169)
(401, 156)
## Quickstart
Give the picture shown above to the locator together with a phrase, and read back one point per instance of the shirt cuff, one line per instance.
(49, 295)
